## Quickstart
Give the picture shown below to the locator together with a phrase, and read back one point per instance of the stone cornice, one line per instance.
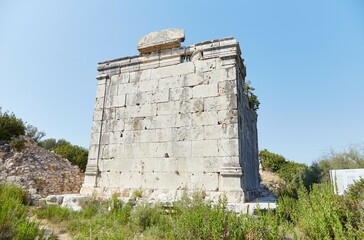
(223, 48)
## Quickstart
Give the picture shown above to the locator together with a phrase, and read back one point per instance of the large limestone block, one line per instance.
(205, 118)
(173, 71)
(168, 38)
(224, 102)
(204, 148)
(72, 201)
(209, 90)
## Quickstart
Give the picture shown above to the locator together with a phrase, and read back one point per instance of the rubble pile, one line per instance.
(38, 171)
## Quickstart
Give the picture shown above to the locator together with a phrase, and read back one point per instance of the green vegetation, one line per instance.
(352, 157)
(271, 161)
(315, 214)
(17, 144)
(34, 133)
(252, 98)
(13, 216)
(75, 154)
(290, 172)
(10, 126)
(138, 193)
(317, 172)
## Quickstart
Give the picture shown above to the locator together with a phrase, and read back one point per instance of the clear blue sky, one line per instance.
(305, 59)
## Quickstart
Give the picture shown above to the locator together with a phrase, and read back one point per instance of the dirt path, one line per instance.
(56, 230)
(50, 228)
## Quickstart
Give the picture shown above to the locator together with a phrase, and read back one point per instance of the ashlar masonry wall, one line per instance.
(172, 119)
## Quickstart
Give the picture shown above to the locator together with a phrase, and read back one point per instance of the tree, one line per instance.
(312, 175)
(48, 143)
(62, 142)
(271, 161)
(33, 133)
(52, 143)
(75, 154)
(353, 157)
(292, 172)
(10, 126)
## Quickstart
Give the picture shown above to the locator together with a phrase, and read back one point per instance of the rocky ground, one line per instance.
(38, 171)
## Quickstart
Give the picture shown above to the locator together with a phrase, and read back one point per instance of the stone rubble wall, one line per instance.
(39, 171)
(168, 121)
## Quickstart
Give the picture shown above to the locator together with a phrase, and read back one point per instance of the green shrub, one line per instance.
(312, 175)
(354, 202)
(145, 216)
(55, 213)
(138, 193)
(10, 126)
(352, 157)
(320, 213)
(252, 98)
(355, 192)
(48, 143)
(75, 154)
(271, 161)
(291, 172)
(17, 144)
(51, 143)
(315, 214)
(13, 218)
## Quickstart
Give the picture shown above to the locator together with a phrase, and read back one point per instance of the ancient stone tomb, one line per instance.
(172, 119)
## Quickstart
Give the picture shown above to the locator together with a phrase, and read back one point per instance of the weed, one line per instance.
(300, 214)
(138, 193)
(13, 221)
(17, 144)
(55, 213)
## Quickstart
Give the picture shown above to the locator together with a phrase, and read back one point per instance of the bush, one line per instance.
(145, 216)
(355, 192)
(353, 157)
(10, 126)
(315, 214)
(17, 144)
(252, 98)
(271, 161)
(55, 213)
(321, 214)
(354, 201)
(52, 143)
(312, 175)
(75, 154)
(48, 143)
(291, 172)
(13, 218)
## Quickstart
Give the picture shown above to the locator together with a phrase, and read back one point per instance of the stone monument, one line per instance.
(173, 119)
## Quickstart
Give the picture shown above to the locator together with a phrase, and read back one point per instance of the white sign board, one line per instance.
(342, 178)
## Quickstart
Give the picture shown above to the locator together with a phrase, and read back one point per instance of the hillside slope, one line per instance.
(38, 171)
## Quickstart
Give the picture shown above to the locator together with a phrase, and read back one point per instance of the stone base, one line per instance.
(251, 195)
(164, 196)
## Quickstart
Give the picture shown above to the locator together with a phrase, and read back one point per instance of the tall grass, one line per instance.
(314, 214)
(13, 216)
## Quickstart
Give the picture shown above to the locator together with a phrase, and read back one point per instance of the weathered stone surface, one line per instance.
(155, 41)
(72, 201)
(174, 118)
